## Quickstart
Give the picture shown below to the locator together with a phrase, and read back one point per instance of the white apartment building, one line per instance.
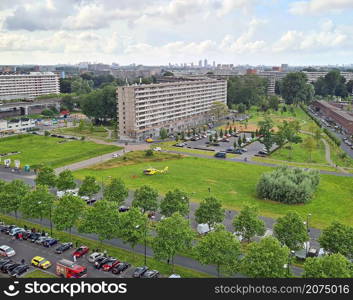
(28, 86)
(144, 109)
(17, 125)
(314, 76)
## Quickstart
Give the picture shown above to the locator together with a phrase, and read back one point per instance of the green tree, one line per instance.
(146, 198)
(266, 259)
(218, 109)
(12, 196)
(291, 231)
(248, 224)
(80, 86)
(38, 204)
(65, 181)
(133, 227)
(175, 201)
(46, 176)
(209, 212)
(67, 102)
(115, 191)
(337, 238)
(220, 248)
(102, 219)
(295, 89)
(89, 187)
(173, 235)
(266, 131)
(328, 266)
(309, 145)
(163, 133)
(273, 102)
(68, 211)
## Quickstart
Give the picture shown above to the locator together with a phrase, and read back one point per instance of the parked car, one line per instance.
(238, 151)
(150, 274)
(230, 150)
(34, 236)
(63, 247)
(174, 276)
(7, 251)
(15, 230)
(109, 264)
(157, 149)
(4, 261)
(41, 239)
(94, 256)
(50, 242)
(79, 252)
(139, 271)
(263, 152)
(216, 144)
(98, 263)
(120, 267)
(40, 262)
(9, 267)
(124, 208)
(221, 155)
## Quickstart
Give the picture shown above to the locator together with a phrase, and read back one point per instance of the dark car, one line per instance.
(3, 227)
(100, 261)
(8, 228)
(50, 242)
(4, 261)
(139, 271)
(109, 264)
(63, 247)
(150, 274)
(124, 208)
(238, 151)
(216, 144)
(19, 270)
(34, 236)
(263, 152)
(220, 155)
(3, 265)
(120, 267)
(230, 150)
(26, 235)
(9, 267)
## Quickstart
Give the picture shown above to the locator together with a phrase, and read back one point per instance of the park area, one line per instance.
(34, 150)
(234, 184)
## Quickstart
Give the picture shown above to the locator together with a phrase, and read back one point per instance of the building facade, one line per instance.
(336, 114)
(17, 125)
(28, 86)
(144, 109)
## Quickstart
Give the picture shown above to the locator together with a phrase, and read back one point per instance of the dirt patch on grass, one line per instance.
(133, 158)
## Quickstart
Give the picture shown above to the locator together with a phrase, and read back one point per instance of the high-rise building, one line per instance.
(28, 86)
(205, 63)
(144, 109)
(200, 63)
(214, 64)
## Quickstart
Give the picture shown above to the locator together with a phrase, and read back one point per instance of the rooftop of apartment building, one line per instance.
(344, 114)
(26, 73)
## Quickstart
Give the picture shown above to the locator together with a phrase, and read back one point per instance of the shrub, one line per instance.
(288, 185)
(333, 137)
(149, 152)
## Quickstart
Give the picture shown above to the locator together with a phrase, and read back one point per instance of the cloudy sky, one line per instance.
(269, 32)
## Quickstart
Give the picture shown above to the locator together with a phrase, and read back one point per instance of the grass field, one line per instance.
(39, 274)
(98, 132)
(55, 152)
(235, 184)
(299, 154)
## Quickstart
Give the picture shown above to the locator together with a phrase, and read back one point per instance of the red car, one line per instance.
(80, 251)
(110, 264)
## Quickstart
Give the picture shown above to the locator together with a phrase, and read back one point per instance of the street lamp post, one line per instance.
(307, 230)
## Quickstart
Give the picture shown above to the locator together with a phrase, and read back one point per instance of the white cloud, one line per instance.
(328, 37)
(320, 6)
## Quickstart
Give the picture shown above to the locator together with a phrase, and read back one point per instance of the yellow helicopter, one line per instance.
(153, 171)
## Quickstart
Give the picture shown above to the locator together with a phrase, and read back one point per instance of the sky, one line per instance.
(156, 32)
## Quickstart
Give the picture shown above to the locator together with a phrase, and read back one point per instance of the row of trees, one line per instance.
(333, 84)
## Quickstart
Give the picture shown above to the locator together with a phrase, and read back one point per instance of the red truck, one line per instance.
(69, 269)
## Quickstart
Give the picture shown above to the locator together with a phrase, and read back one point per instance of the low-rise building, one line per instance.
(336, 114)
(144, 109)
(17, 125)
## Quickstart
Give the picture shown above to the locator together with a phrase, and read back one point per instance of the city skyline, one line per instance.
(156, 32)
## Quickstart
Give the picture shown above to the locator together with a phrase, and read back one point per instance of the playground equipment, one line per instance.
(153, 171)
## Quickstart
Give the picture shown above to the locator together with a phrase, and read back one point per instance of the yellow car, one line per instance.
(149, 140)
(152, 171)
(40, 262)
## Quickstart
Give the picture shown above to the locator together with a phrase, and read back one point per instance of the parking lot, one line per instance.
(27, 250)
(252, 148)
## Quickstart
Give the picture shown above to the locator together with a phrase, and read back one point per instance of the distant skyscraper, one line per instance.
(205, 63)
(200, 63)
(214, 64)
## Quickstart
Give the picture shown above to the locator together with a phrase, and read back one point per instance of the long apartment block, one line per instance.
(28, 86)
(144, 109)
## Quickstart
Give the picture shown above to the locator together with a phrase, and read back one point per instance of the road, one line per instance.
(27, 250)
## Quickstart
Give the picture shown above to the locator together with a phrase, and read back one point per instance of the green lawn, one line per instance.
(235, 184)
(98, 132)
(298, 153)
(51, 151)
(39, 274)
